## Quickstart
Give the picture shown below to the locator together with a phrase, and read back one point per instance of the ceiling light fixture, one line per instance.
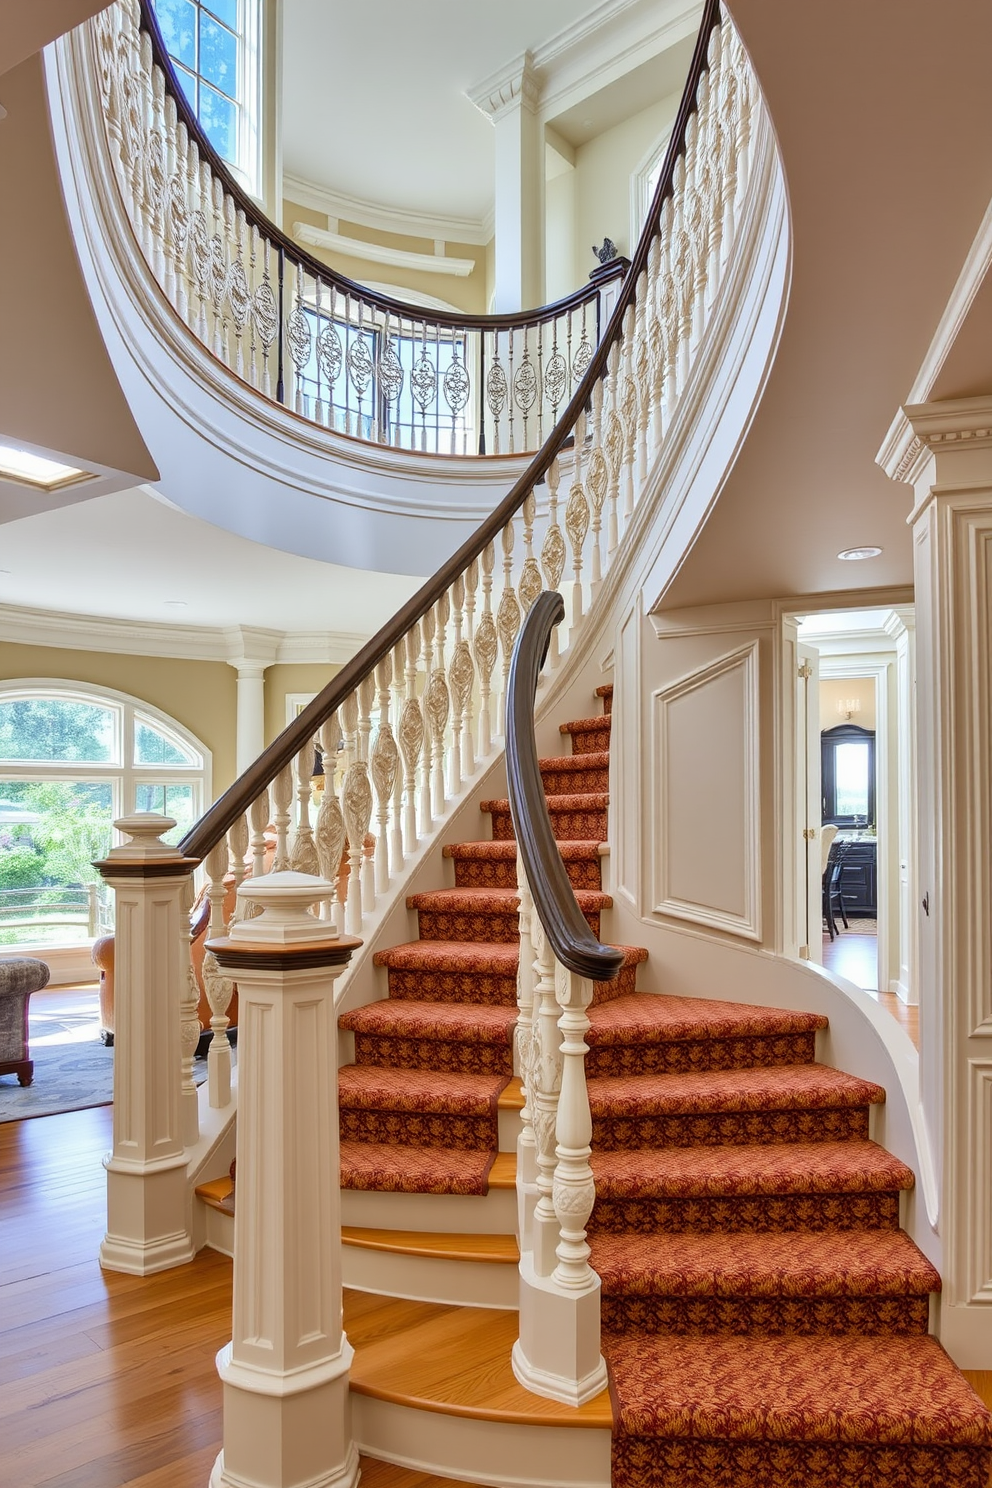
(176, 604)
(853, 555)
(33, 470)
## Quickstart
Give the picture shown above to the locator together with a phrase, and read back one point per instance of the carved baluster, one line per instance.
(357, 803)
(366, 697)
(265, 317)
(258, 814)
(143, 179)
(282, 798)
(303, 858)
(613, 447)
(540, 386)
(349, 728)
(461, 676)
(705, 284)
(745, 120)
(411, 740)
(437, 706)
(238, 291)
(523, 1043)
(510, 381)
(642, 385)
(682, 276)
(157, 175)
(577, 527)
(553, 552)
(655, 343)
(597, 485)
(189, 1024)
(427, 629)
(530, 575)
(485, 649)
(330, 833)
(237, 843)
(507, 617)
(692, 220)
(628, 414)
(574, 1190)
(299, 340)
(715, 144)
(547, 1069)
(471, 588)
(383, 763)
(200, 245)
(178, 214)
(218, 271)
(397, 663)
(218, 987)
(668, 312)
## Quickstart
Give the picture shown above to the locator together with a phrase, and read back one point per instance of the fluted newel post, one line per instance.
(527, 1191)
(285, 1371)
(147, 1227)
(557, 1353)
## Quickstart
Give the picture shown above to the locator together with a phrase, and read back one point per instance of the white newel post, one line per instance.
(285, 1371)
(147, 1226)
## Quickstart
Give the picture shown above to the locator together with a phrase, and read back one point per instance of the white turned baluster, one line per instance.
(303, 858)
(628, 413)
(437, 706)
(547, 1065)
(218, 987)
(143, 180)
(282, 800)
(597, 485)
(383, 765)
(530, 575)
(411, 733)
(613, 448)
(357, 806)
(524, 1044)
(179, 215)
(330, 833)
(428, 626)
(258, 815)
(239, 292)
(349, 729)
(200, 247)
(485, 648)
(157, 174)
(397, 663)
(366, 697)
(461, 678)
(553, 552)
(642, 384)
(656, 348)
(218, 269)
(715, 208)
(577, 527)
(266, 317)
(471, 588)
(574, 1191)
(507, 618)
(168, 223)
(682, 270)
(692, 223)
(237, 844)
(189, 1024)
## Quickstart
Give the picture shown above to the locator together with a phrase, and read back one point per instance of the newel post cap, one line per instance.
(286, 918)
(144, 854)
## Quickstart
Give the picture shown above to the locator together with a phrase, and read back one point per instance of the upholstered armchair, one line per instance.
(19, 977)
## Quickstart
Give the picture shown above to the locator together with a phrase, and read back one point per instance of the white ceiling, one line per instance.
(127, 555)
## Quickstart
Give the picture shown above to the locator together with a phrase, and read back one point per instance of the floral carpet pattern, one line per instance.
(765, 1318)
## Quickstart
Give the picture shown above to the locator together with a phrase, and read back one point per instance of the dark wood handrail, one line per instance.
(557, 908)
(235, 802)
(255, 217)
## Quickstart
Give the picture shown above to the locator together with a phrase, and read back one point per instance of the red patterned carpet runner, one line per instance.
(765, 1318)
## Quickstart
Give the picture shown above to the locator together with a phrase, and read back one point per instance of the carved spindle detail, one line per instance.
(189, 1024)
(546, 1064)
(282, 799)
(553, 552)
(303, 858)
(258, 813)
(219, 989)
(485, 647)
(383, 764)
(330, 833)
(574, 1189)
(357, 804)
(507, 617)
(530, 575)
(577, 527)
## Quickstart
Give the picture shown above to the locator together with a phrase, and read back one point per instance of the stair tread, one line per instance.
(498, 958)
(372, 1087)
(887, 1390)
(390, 1167)
(499, 901)
(596, 759)
(571, 850)
(586, 725)
(779, 1088)
(856, 1166)
(476, 1022)
(576, 801)
(438, 1245)
(807, 1264)
(646, 1016)
(452, 1360)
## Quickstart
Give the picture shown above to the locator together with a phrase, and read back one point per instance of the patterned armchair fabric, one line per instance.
(19, 977)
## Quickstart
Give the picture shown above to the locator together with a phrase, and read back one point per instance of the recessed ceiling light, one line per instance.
(33, 470)
(176, 604)
(851, 555)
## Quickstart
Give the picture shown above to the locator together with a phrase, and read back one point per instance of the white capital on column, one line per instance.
(510, 98)
(252, 651)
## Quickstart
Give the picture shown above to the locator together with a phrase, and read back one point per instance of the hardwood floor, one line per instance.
(854, 955)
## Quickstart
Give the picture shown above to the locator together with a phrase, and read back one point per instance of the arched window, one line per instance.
(72, 759)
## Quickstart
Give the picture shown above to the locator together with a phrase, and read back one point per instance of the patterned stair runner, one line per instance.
(765, 1318)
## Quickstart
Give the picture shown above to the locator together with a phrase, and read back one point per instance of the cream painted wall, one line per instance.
(837, 689)
(283, 679)
(469, 294)
(198, 694)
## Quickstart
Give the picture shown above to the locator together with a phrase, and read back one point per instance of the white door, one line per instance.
(809, 816)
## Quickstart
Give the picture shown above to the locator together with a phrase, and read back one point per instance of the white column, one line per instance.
(147, 1225)
(901, 625)
(949, 464)
(251, 651)
(285, 1371)
(510, 98)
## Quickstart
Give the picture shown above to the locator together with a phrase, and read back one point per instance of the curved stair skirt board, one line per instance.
(431, 1278)
(494, 1213)
(511, 1454)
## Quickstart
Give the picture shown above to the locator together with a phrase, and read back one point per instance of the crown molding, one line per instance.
(233, 644)
(396, 258)
(379, 218)
(515, 84)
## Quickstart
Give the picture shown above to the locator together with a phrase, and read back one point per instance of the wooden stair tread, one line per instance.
(512, 1096)
(215, 1194)
(450, 1360)
(378, 1474)
(503, 1173)
(498, 1249)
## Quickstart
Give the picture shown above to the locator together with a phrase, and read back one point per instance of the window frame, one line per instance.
(844, 733)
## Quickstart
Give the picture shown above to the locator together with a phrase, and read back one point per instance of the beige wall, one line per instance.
(834, 690)
(464, 294)
(281, 680)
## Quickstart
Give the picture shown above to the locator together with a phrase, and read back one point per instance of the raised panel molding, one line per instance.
(975, 1227)
(706, 854)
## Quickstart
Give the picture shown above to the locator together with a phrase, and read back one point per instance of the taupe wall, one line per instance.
(280, 680)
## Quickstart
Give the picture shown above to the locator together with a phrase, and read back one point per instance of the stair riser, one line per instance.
(766, 1315)
(419, 1129)
(498, 929)
(654, 1462)
(433, 1054)
(430, 1279)
(682, 1056)
(456, 986)
(488, 873)
(753, 1214)
(722, 1128)
(568, 826)
(493, 1214)
(588, 741)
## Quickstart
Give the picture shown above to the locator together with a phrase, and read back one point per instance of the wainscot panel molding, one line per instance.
(706, 864)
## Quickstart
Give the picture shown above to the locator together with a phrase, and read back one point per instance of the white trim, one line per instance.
(640, 196)
(339, 204)
(396, 258)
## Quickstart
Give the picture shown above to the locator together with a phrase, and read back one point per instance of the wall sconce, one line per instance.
(848, 707)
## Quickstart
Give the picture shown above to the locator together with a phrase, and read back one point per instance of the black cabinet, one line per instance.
(859, 877)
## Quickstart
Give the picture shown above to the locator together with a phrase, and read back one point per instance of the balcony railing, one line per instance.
(337, 354)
